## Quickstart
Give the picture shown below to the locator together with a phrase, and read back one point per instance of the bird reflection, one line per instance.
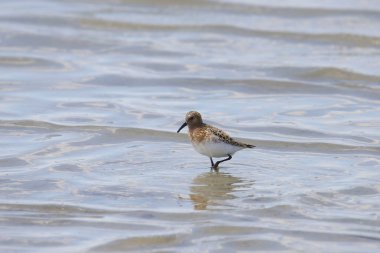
(212, 188)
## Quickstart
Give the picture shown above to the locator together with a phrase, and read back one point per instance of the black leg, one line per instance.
(212, 162)
(217, 163)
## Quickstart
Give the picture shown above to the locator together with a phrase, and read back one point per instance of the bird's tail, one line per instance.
(249, 146)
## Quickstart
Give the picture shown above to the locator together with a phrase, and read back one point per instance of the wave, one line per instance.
(354, 40)
(31, 62)
(289, 81)
(121, 134)
(331, 74)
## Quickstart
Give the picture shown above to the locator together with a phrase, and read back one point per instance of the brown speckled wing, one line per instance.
(224, 137)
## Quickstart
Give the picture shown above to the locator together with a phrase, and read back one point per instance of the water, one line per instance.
(92, 93)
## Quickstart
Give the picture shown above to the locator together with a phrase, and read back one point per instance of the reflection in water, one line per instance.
(212, 187)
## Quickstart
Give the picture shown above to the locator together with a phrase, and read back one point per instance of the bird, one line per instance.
(209, 140)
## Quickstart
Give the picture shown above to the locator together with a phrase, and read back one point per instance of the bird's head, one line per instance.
(193, 119)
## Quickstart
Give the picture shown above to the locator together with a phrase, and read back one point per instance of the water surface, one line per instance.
(92, 93)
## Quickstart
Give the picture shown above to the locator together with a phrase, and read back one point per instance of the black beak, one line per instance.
(183, 125)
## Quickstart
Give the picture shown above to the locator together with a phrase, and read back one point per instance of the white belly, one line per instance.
(215, 149)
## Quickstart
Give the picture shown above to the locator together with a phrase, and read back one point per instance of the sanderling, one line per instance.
(211, 141)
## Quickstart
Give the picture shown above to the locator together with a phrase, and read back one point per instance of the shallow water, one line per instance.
(92, 93)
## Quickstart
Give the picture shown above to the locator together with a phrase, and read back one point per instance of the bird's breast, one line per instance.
(215, 149)
(199, 135)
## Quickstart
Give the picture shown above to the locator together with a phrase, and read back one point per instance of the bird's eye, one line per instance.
(191, 118)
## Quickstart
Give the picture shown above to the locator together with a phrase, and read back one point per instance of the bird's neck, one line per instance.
(195, 126)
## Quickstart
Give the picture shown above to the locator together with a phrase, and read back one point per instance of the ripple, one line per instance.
(140, 243)
(67, 168)
(257, 244)
(352, 40)
(29, 62)
(246, 87)
(12, 162)
(327, 74)
(40, 41)
(360, 191)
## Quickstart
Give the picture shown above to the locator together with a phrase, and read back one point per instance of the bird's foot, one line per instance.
(215, 167)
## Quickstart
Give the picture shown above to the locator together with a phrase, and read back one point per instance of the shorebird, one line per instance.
(211, 141)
